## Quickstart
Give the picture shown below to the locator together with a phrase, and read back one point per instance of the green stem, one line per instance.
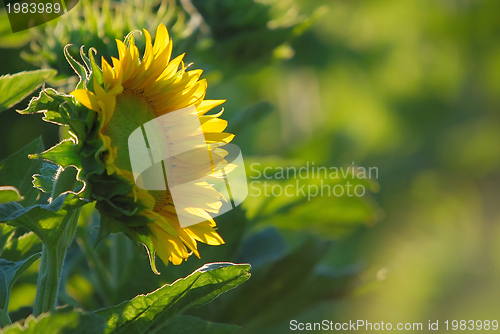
(51, 264)
(48, 282)
(4, 318)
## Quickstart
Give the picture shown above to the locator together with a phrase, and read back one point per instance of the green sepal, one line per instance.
(45, 180)
(63, 154)
(66, 180)
(130, 39)
(96, 70)
(110, 224)
(86, 61)
(120, 219)
(106, 186)
(119, 211)
(111, 192)
(77, 67)
(150, 248)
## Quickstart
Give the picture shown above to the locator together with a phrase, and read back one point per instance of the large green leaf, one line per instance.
(59, 322)
(184, 324)
(16, 87)
(17, 170)
(148, 313)
(9, 273)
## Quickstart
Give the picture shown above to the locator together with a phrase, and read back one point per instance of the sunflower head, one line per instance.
(118, 99)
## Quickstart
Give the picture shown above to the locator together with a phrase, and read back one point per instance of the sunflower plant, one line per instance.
(46, 196)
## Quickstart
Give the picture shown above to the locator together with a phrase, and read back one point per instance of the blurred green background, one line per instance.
(411, 87)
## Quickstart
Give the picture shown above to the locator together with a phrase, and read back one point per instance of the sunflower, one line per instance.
(134, 91)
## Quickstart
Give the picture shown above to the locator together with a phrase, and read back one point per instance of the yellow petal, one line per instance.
(213, 125)
(207, 105)
(88, 99)
(223, 137)
(107, 72)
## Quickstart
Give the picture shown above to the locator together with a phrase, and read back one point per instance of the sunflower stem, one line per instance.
(51, 264)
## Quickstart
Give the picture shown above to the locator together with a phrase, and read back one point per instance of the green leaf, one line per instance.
(43, 219)
(9, 194)
(17, 169)
(63, 320)
(16, 87)
(186, 325)
(9, 273)
(148, 313)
